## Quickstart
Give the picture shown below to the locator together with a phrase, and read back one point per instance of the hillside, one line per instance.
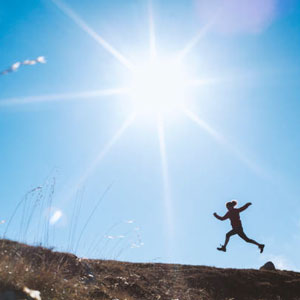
(64, 276)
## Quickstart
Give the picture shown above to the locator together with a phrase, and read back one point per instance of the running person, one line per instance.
(234, 215)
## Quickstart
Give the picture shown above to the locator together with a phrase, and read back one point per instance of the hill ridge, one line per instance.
(59, 275)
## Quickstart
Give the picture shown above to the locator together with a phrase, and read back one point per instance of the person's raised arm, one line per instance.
(244, 206)
(221, 218)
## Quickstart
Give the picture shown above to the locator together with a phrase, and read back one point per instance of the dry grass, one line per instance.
(64, 276)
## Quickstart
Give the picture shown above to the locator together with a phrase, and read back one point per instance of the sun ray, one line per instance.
(152, 32)
(61, 97)
(84, 26)
(79, 183)
(72, 189)
(195, 40)
(105, 150)
(224, 142)
(165, 174)
(235, 77)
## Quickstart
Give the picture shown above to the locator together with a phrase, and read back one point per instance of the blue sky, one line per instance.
(250, 153)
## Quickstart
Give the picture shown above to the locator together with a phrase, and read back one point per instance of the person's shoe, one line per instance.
(261, 248)
(222, 248)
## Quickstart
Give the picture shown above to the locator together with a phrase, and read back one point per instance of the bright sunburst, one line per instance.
(158, 86)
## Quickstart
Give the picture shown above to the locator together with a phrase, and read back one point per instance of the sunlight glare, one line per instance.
(84, 26)
(165, 173)
(225, 143)
(106, 149)
(94, 164)
(195, 40)
(62, 97)
(152, 33)
(158, 86)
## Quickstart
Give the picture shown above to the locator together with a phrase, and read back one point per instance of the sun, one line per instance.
(158, 86)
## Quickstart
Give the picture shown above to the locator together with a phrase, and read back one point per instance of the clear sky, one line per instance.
(215, 117)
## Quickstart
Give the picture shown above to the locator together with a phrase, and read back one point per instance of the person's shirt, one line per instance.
(234, 216)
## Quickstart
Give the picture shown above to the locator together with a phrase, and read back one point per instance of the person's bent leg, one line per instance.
(246, 239)
(228, 235)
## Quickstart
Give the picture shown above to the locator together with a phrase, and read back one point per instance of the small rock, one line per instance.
(32, 293)
(269, 266)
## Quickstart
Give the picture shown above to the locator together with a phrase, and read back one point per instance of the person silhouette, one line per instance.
(234, 215)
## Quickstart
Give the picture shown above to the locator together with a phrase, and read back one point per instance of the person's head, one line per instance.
(230, 205)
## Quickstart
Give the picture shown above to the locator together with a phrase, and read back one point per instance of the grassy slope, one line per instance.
(64, 276)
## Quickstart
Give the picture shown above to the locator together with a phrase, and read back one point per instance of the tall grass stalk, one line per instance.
(92, 214)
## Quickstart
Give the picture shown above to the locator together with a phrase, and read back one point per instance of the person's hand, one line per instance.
(215, 214)
(249, 203)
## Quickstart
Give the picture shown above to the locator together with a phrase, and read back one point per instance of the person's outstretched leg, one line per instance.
(246, 239)
(228, 235)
